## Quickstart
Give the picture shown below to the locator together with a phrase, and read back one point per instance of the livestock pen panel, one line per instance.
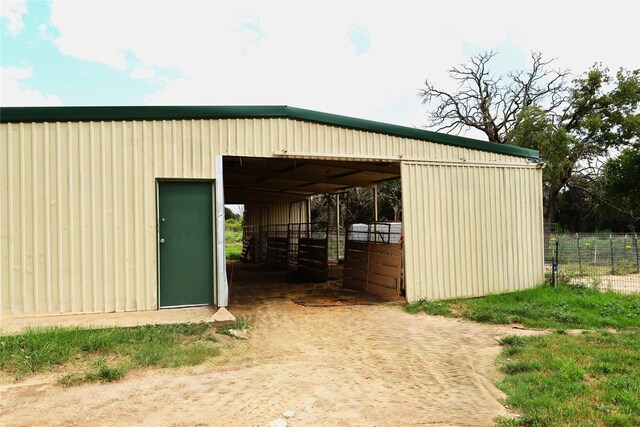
(373, 259)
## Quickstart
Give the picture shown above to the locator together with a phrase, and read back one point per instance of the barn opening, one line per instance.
(301, 220)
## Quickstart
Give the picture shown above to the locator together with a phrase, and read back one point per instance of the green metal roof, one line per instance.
(78, 114)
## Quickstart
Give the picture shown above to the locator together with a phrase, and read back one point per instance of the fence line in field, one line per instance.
(610, 261)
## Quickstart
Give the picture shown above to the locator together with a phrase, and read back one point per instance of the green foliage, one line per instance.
(545, 307)
(38, 350)
(559, 379)
(620, 183)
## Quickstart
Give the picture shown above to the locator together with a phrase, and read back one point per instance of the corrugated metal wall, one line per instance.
(471, 230)
(78, 211)
(260, 213)
(77, 201)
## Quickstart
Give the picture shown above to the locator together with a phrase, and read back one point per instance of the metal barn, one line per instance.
(108, 209)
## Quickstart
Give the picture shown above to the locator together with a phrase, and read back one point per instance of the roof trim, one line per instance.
(80, 114)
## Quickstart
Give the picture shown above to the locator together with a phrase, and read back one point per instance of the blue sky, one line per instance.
(361, 59)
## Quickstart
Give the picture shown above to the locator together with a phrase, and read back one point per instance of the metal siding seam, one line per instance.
(47, 216)
(530, 275)
(506, 210)
(94, 224)
(104, 232)
(523, 241)
(6, 184)
(114, 191)
(436, 199)
(11, 231)
(81, 211)
(35, 212)
(136, 144)
(451, 219)
(482, 227)
(5, 231)
(457, 196)
(422, 257)
(469, 240)
(145, 188)
(125, 215)
(59, 233)
(425, 213)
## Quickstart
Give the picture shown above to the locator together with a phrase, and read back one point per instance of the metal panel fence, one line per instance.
(609, 261)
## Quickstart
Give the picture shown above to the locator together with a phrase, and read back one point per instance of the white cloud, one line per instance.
(13, 10)
(300, 53)
(14, 94)
(143, 73)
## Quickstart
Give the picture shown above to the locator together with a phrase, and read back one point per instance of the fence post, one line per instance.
(554, 264)
(579, 259)
(637, 255)
(613, 267)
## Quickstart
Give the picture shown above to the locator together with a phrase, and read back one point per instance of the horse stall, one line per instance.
(373, 259)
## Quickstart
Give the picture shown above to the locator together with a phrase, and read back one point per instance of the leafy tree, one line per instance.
(620, 183)
(573, 124)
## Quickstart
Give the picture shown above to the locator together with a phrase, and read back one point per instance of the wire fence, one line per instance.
(609, 261)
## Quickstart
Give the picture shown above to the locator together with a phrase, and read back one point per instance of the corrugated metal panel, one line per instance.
(77, 202)
(471, 230)
(260, 213)
(78, 213)
(264, 137)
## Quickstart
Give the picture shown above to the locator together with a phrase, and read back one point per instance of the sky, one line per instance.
(360, 59)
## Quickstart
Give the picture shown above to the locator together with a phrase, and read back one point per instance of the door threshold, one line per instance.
(185, 306)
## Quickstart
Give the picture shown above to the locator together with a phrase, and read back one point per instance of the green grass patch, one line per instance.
(233, 244)
(233, 251)
(105, 354)
(556, 379)
(562, 307)
(239, 325)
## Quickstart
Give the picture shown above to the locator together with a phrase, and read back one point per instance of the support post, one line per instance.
(375, 203)
(337, 227)
(613, 266)
(637, 254)
(578, 246)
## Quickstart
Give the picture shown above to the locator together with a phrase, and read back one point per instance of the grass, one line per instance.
(239, 325)
(564, 307)
(233, 244)
(89, 355)
(591, 379)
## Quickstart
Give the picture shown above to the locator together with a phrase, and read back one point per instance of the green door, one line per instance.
(186, 243)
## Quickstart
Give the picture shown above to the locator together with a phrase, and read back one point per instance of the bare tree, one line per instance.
(572, 124)
(492, 104)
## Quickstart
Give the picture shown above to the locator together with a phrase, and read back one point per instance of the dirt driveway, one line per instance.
(347, 365)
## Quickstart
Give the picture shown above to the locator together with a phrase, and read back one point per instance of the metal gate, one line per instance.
(373, 258)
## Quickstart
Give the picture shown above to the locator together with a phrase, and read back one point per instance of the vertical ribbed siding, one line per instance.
(471, 230)
(78, 201)
(281, 212)
(78, 210)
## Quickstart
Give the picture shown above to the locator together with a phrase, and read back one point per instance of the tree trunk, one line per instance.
(552, 202)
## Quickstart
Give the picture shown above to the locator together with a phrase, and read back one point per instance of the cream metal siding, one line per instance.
(78, 211)
(274, 213)
(471, 230)
(78, 199)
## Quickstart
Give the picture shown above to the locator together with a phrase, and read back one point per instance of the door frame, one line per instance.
(213, 239)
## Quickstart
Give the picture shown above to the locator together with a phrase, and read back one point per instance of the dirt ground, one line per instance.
(333, 363)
